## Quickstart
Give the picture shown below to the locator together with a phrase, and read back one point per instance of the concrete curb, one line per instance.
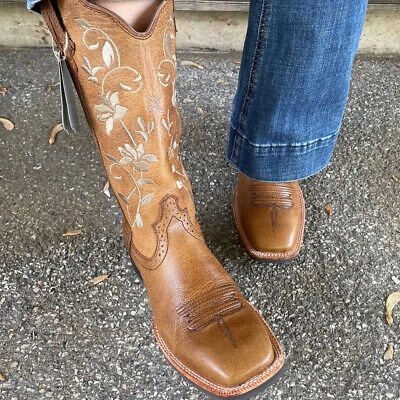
(225, 30)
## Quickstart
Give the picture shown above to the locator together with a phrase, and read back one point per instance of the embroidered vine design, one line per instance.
(166, 76)
(177, 168)
(132, 161)
(167, 67)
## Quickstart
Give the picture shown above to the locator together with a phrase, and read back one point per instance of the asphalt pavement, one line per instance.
(63, 338)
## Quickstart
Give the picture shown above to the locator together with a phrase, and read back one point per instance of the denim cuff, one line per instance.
(33, 5)
(280, 163)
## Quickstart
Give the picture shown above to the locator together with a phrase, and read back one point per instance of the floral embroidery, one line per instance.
(110, 110)
(173, 156)
(131, 78)
(166, 76)
(167, 67)
(132, 162)
(154, 103)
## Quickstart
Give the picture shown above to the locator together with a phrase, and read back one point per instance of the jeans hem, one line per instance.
(280, 162)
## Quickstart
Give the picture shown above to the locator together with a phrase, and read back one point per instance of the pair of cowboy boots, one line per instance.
(126, 81)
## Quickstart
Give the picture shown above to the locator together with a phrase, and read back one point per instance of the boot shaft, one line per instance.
(127, 84)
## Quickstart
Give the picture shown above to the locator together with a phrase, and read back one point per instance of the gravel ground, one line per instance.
(62, 338)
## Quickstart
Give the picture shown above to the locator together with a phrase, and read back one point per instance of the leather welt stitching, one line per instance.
(169, 209)
(212, 306)
(221, 390)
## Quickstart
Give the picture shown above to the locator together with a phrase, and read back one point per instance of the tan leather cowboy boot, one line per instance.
(126, 82)
(269, 217)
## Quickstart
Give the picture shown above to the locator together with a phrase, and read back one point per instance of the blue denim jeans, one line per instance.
(31, 4)
(293, 85)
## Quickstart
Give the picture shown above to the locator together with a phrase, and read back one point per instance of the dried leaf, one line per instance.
(329, 209)
(7, 124)
(53, 135)
(391, 301)
(72, 233)
(99, 279)
(51, 86)
(193, 64)
(395, 178)
(187, 100)
(2, 377)
(396, 280)
(4, 88)
(200, 111)
(221, 81)
(106, 189)
(389, 352)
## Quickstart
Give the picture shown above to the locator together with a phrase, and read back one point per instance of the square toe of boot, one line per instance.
(230, 352)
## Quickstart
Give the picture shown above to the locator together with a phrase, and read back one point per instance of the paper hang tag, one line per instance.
(68, 107)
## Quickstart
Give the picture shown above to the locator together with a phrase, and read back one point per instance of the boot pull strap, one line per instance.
(56, 27)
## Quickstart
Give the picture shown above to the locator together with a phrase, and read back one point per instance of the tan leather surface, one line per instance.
(269, 217)
(126, 80)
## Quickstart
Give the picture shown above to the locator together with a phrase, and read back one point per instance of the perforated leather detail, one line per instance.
(169, 209)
